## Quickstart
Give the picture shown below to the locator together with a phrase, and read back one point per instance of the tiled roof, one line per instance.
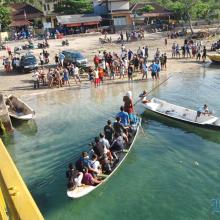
(20, 9)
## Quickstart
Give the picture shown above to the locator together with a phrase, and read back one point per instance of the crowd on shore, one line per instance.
(190, 49)
(107, 65)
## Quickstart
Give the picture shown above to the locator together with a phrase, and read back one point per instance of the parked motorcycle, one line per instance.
(2, 47)
(65, 43)
(43, 45)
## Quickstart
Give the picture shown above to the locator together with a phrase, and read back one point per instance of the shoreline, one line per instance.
(20, 84)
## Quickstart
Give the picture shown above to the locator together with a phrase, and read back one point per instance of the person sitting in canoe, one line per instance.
(143, 97)
(106, 144)
(143, 94)
(88, 179)
(94, 166)
(124, 117)
(117, 145)
(109, 131)
(203, 110)
(99, 150)
(74, 177)
(206, 109)
(82, 161)
(120, 129)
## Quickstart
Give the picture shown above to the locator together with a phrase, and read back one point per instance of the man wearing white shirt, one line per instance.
(94, 165)
(143, 52)
(106, 145)
(76, 74)
(36, 77)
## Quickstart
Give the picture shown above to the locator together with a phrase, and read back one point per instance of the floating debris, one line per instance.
(196, 163)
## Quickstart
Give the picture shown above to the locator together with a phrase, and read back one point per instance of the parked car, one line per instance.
(72, 56)
(28, 63)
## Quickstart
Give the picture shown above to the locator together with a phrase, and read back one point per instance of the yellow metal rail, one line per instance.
(18, 199)
(3, 209)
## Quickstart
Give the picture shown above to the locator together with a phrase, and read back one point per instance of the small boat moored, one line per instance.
(215, 58)
(179, 113)
(80, 191)
(17, 109)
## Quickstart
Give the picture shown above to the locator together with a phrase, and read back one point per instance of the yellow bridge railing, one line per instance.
(16, 202)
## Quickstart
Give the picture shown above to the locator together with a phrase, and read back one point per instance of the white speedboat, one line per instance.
(178, 113)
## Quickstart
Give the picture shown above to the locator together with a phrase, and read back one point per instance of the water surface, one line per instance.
(172, 172)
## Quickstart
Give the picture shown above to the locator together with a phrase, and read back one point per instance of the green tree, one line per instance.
(147, 8)
(74, 7)
(193, 9)
(5, 18)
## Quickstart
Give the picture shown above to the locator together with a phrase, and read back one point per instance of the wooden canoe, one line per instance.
(17, 109)
(86, 189)
(215, 58)
(179, 113)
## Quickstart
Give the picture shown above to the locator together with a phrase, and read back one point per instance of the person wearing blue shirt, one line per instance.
(123, 116)
(145, 70)
(153, 68)
(61, 58)
(202, 110)
(130, 53)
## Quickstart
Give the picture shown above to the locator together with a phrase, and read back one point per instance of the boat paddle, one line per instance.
(152, 90)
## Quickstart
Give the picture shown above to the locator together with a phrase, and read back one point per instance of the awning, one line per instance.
(78, 20)
(20, 23)
(79, 24)
(149, 15)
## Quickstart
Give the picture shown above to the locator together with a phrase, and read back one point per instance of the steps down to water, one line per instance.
(5, 121)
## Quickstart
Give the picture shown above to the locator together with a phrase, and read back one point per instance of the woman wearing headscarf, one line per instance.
(129, 107)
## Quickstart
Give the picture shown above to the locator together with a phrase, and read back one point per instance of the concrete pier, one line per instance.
(4, 116)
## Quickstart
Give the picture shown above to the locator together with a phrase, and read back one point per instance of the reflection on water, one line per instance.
(159, 173)
(27, 128)
(206, 134)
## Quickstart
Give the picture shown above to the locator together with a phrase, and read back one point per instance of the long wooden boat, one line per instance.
(178, 113)
(17, 109)
(215, 58)
(83, 190)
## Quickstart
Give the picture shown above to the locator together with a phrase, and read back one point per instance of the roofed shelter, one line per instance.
(79, 20)
(24, 14)
(157, 12)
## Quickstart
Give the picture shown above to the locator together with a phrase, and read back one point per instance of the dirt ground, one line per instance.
(21, 84)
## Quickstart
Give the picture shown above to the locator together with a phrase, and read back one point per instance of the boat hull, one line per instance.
(85, 189)
(205, 126)
(214, 58)
(27, 113)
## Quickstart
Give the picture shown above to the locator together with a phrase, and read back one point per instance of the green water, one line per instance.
(159, 180)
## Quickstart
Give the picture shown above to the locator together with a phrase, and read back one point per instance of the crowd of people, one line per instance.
(107, 65)
(215, 46)
(105, 152)
(131, 35)
(56, 77)
(189, 49)
(126, 63)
